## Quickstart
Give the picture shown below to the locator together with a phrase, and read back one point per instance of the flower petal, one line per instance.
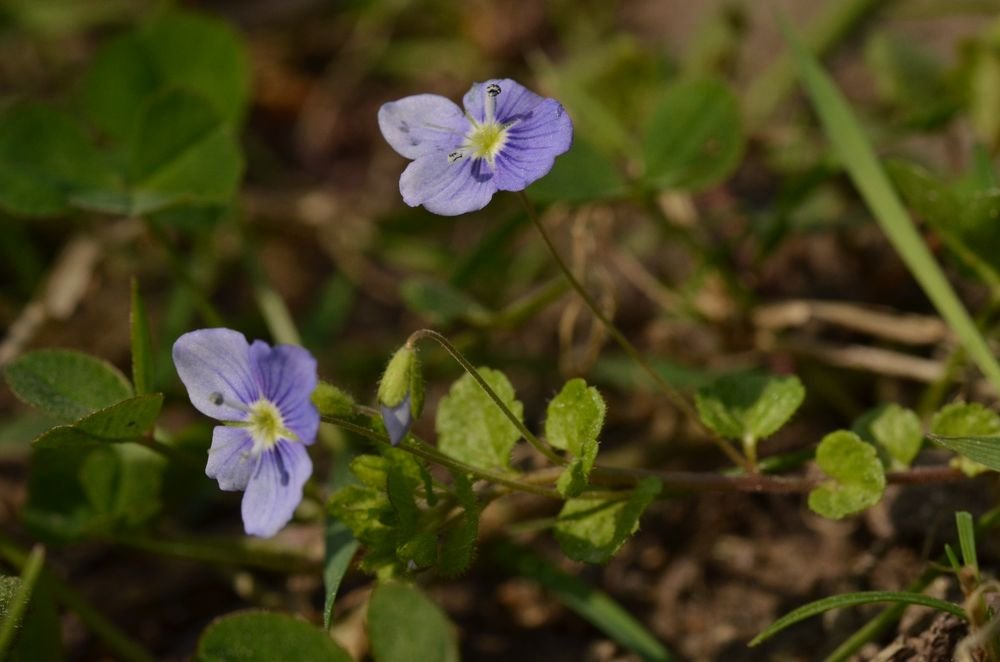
(447, 188)
(229, 460)
(514, 101)
(214, 365)
(275, 488)
(532, 146)
(421, 124)
(287, 377)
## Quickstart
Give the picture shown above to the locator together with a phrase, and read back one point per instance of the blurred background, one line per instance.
(762, 258)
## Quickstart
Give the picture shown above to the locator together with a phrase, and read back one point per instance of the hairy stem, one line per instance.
(529, 436)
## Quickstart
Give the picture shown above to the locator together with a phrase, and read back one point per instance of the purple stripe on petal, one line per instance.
(447, 188)
(533, 145)
(214, 365)
(275, 488)
(514, 102)
(287, 377)
(421, 124)
(229, 460)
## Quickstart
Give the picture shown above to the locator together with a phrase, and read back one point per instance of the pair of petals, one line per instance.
(224, 375)
(427, 128)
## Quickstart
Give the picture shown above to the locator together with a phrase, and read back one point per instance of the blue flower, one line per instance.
(507, 138)
(262, 394)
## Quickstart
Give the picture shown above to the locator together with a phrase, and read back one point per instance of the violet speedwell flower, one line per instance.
(507, 138)
(262, 394)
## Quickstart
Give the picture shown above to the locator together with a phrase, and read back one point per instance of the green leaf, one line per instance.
(40, 634)
(595, 606)
(853, 600)
(182, 151)
(121, 422)
(896, 432)
(339, 549)
(65, 384)
(179, 48)
(695, 136)
(853, 148)
(593, 530)
(471, 428)
(45, 159)
(459, 544)
(14, 607)
(960, 419)
(582, 174)
(142, 343)
(971, 431)
(259, 636)
(911, 80)
(405, 625)
(122, 484)
(858, 477)
(441, 303)
(749, 407)
(75, 491)
(573, 422)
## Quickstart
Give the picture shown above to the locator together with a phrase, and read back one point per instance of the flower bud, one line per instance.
(401, 393)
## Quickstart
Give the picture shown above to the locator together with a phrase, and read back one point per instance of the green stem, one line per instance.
(15, 608)
(673, 481)
(672, 394)
(120, 643)
(537, 443)
(431, 454)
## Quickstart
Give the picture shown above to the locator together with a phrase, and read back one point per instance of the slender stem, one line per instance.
(538, 444)
(123, 646)
(673, 481)
(431, 454)
(672, 394)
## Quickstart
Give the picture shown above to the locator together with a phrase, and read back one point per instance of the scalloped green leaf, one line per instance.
(593, 530)
(471, 428)
(857, 477)
(896, 431)
(66, 384)
(259, 636)
(749, 406)
(573, 421)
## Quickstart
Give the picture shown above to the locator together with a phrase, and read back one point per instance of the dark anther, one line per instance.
(216, 399)
(493, 89)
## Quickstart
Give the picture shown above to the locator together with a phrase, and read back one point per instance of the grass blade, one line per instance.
(853, 600)
(967, 539)
(593, 605)
(849, 142)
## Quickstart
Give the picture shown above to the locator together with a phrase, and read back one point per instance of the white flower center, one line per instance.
(486, 139)
(266, 426)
